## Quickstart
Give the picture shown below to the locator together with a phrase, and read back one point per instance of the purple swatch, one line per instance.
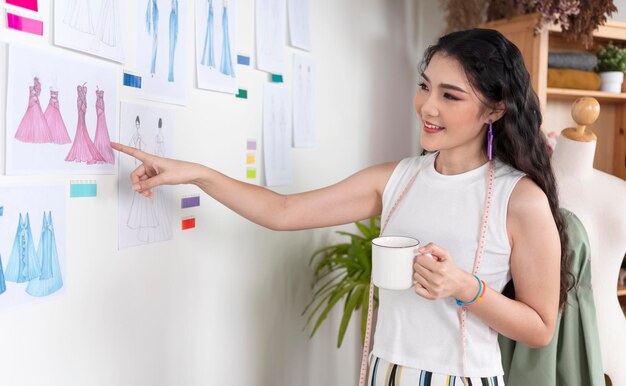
(190, 202)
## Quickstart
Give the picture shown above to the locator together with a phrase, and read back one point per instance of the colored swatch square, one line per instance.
(251, 144)
(83, 190)
(190, 202)
(188, 223)
(24, 24)
(250, 159)
(28, 4)
(251, 173)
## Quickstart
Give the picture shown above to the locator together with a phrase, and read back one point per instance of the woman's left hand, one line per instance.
(437, 276)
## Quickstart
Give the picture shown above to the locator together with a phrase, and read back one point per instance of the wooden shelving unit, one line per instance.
(535, 47)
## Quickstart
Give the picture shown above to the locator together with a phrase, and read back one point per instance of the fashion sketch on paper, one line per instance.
(152, 24)
(24, 264)
(173, 38)
(142, 213)
(106, 31)
(3, 286)
(163, 231)
(208, 51)
(50, 279)
(33, 128)
(55, 122)
(78, 16)
(226, 66)
(83, 149)
(102, 139)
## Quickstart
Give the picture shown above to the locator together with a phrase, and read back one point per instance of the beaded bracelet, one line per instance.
(479, 295)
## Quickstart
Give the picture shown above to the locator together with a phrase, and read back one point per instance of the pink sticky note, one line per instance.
(24, 24)
(28, 4)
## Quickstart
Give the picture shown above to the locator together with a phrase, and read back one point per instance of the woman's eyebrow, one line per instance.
(446, 85)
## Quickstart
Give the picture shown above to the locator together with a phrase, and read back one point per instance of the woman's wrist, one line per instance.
(468, 288)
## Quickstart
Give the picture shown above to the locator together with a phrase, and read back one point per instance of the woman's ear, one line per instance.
(497, 112)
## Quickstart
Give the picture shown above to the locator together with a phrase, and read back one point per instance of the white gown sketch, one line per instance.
(160, 199)
(78, 16)
(142, 213)
(107, 24)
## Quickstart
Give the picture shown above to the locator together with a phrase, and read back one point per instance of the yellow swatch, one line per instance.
(250, 159)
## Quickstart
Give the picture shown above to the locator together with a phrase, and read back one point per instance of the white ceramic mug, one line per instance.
(392, 262)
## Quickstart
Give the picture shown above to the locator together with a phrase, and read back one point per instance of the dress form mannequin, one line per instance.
(599, 201)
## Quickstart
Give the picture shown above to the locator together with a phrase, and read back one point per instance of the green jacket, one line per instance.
(573, 356)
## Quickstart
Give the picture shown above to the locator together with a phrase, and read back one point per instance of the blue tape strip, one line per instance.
(243, 60)
(131, 80)
(83, 190)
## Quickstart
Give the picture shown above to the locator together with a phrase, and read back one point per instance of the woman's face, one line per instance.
(453, 117)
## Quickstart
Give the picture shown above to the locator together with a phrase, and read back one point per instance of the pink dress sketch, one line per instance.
(78, 16)
(83, 150)
(55, 120)
(142, 214)
(33, 128)
(102, 139)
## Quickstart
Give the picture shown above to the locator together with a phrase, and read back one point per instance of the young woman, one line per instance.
(483, 223)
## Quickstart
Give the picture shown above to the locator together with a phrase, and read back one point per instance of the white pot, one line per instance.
(612, 81)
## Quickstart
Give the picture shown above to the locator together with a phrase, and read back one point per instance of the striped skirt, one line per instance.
(383, 373)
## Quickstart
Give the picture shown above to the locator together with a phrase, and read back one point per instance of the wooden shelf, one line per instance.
(571, 94)
(621, 291)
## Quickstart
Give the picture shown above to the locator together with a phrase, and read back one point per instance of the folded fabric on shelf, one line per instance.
(566, 78)
(584, 61)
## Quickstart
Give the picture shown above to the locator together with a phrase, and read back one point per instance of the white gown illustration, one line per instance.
(142, 214)
(78, 16)
(107, 24)
(160, 201)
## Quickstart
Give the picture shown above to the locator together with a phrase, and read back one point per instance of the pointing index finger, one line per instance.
(131, 151)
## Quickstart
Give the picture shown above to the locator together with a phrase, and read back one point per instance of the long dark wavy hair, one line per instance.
(495, 68)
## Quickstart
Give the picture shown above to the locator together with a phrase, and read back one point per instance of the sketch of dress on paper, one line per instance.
(107, 25)
(33, 128)
(78, 16)
(163, 230)
(173, 38)
(152, 24)
(57, 127)
(3, 286)
(226, 67)
(208, 51)
(142, 213)
(83, 149)
(50, 279)
(102, 141)
(24, 264)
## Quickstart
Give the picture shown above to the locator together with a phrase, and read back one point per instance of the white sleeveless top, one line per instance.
(446, 210)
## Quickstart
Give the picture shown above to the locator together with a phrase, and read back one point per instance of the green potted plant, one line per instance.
(343, 272)
(611, 66)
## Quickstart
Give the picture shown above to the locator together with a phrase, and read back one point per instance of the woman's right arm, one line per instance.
(356, 198)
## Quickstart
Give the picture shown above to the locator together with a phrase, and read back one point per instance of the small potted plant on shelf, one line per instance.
(611, 67)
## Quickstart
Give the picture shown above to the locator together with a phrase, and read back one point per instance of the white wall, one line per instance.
(221, 304)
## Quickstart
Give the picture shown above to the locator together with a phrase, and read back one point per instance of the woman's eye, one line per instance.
(423, 86)
(450, 96)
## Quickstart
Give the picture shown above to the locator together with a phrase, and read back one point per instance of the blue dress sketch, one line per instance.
(24, 264)
(173, 37)
(227, 62)
(3, 286)
(50, 280)
(152, 24)
(208, 52)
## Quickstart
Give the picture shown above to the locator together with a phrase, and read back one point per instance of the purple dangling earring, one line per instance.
(490, 141)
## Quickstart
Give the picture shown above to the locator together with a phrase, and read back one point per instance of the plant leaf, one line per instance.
(351, 303)
(331, 303)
